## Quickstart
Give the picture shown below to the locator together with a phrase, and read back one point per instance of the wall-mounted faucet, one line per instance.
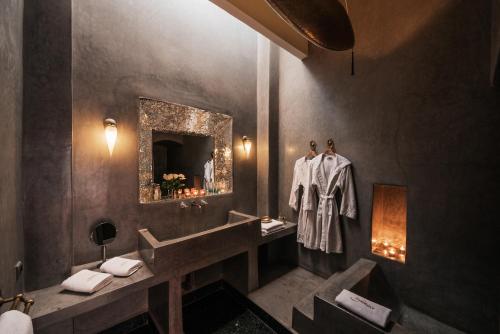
(202, 203)
(198, 205)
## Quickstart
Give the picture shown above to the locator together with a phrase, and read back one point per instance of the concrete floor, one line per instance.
(278, 297)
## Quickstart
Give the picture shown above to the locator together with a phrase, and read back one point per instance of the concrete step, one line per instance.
(365, 279)
(303, 312)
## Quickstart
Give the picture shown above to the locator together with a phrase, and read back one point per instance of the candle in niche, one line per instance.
(392, 251)
(402, 251)
(390, 234)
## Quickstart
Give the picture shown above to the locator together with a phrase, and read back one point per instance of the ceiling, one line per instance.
(261, 17)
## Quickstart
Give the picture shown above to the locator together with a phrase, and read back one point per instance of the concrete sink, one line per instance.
(190, 252)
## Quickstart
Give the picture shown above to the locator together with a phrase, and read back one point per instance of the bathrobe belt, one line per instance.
(330, 204)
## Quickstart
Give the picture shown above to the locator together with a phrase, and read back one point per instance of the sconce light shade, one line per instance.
(111, 132)
(247, 145)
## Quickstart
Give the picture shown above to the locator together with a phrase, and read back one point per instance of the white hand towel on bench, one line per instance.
(120, 266)
(87, 281)
(15, 322)
(272, 225)
(363, 307)
(272, 230)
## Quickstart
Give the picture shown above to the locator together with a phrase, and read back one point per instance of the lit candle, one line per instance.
(402, 250)
(202, 192)
(392, 251)
(385, 252)
(195, 192)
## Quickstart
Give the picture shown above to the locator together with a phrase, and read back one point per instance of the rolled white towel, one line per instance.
(120, 266)
(87, 281)
(15, 322)
(363, 307)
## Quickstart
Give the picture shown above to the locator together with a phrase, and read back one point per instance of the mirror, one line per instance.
(103, 233)
(190, 156)
(184, 152)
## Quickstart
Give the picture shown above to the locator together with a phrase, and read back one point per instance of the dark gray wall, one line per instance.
(267, 127)
(419, 112)
(495, 43)
(47, 141)
(189, 52)
(11, 71)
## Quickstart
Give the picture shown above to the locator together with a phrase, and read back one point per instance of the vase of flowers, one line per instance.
(171, 183)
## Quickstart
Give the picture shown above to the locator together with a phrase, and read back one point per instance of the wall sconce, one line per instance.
(247, 145)
(110, 131)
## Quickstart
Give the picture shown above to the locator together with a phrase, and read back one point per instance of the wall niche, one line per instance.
(389, 222)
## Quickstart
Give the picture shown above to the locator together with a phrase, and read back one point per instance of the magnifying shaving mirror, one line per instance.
(103, 233)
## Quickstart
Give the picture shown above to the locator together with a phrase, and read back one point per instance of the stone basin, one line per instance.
(185, 253)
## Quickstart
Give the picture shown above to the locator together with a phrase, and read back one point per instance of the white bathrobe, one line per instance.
(306, 226)
(329, 174)
(208, 174)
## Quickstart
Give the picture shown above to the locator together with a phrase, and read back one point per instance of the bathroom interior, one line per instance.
(264, 166)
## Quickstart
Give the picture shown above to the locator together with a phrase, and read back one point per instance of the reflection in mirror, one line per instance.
(186, 155)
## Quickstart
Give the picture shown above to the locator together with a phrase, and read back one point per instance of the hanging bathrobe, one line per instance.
(329, 174)
(208, 174)
(306, 227)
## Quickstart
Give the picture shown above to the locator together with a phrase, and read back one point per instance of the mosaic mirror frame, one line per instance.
(155, 115)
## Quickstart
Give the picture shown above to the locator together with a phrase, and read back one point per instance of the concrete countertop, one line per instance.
(54, 304)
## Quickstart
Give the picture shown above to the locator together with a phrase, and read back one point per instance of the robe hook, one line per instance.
(330, 146)
(313, 145)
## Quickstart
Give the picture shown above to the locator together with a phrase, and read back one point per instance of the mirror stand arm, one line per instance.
(103, 253)
(103, 256)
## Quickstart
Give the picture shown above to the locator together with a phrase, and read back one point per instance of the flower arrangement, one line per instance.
(172, 182)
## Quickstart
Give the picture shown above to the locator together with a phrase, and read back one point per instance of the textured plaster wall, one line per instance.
(11, 90)
(267, 127)
(495, 43)
(189, 52)
(47, 137)
(419, 112)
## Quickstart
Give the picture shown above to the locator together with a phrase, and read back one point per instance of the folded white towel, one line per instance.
(120, 266)
(273, 229)
(272, 225)
(87, 281)
(363, 307)
(15, 322)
